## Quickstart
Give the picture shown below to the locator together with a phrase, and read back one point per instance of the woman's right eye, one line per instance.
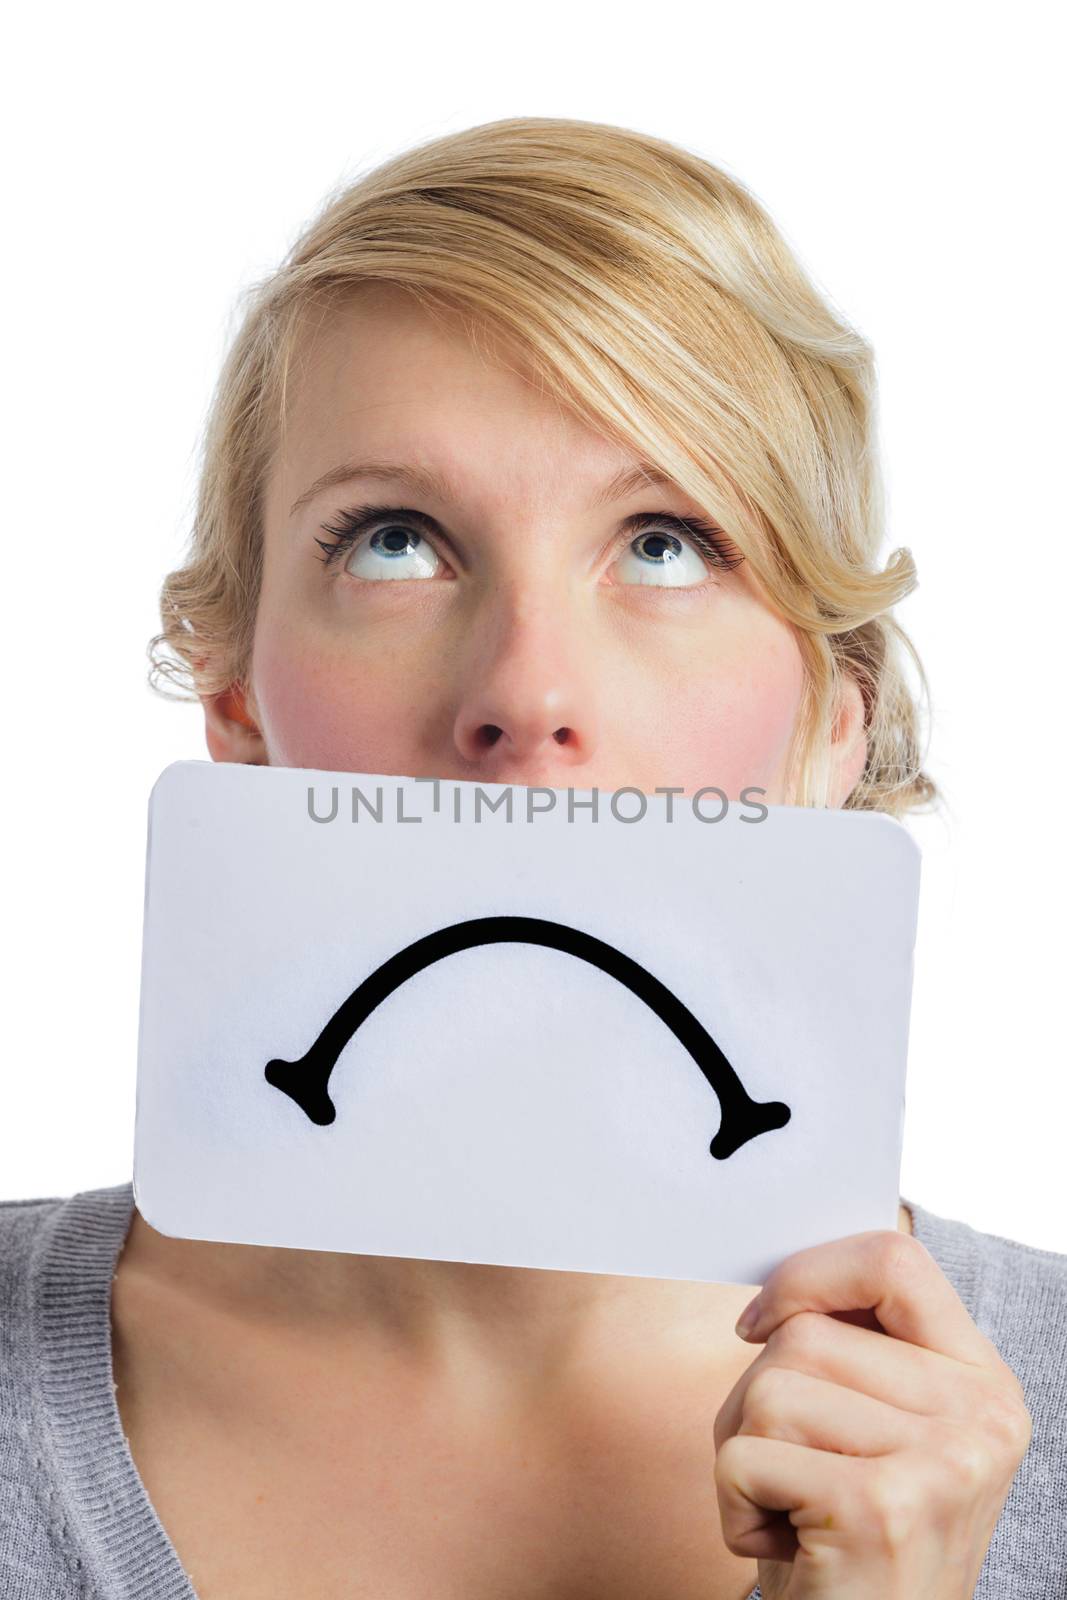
(392, 550)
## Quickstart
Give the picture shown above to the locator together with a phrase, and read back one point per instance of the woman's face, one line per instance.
(511, 623)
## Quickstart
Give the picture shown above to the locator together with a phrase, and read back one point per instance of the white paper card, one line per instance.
(379, 1016)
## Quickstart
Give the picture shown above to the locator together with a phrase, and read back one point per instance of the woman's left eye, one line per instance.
(666, 559)
(664, 551)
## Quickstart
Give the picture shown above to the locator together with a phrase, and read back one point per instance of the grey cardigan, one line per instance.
(75, 1517)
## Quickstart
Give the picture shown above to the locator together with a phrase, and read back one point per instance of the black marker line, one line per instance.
(306, 1080)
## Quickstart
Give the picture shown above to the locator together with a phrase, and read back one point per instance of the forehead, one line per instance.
(380, 376)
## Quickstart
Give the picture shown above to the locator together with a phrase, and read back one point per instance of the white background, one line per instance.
(160, 163)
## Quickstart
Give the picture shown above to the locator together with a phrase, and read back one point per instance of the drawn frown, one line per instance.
(305, 1081)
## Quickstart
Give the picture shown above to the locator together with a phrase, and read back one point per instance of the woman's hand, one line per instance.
(867, 1452)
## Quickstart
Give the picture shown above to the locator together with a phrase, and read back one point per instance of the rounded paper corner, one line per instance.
(147, 1211)
(170, 775)
(895, 829)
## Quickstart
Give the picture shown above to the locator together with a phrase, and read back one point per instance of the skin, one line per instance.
(869, 1445)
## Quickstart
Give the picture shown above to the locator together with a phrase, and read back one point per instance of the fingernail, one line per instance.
(748, 1319)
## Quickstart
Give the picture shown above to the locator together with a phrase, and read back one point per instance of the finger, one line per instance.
(783, 1501)
(768, 1489)
(906, 1376)
(779, 1403)
(890, 1273)
(839, 1516)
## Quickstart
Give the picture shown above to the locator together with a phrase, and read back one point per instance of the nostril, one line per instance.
(489, 733)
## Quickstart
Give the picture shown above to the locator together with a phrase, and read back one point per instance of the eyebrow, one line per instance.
(425, 481)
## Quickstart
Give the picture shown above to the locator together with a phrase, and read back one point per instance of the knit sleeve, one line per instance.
(1017, 1296)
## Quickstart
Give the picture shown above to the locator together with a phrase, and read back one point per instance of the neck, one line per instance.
(522, 1318)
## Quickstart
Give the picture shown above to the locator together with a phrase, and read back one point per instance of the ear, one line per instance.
(231, 727)
(848, 750)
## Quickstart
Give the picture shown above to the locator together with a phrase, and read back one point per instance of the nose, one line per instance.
(527, 713)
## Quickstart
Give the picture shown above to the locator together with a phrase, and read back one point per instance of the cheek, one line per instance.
(319, 709)
(730, 724)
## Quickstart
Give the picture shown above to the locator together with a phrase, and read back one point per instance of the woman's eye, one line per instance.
(666, 560)
(393, 551)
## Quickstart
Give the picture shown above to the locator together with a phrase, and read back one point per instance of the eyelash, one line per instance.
(352, 524)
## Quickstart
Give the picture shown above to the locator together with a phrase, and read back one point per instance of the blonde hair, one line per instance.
(653, 296)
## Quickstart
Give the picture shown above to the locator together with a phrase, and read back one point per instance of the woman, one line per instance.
(569, 386)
